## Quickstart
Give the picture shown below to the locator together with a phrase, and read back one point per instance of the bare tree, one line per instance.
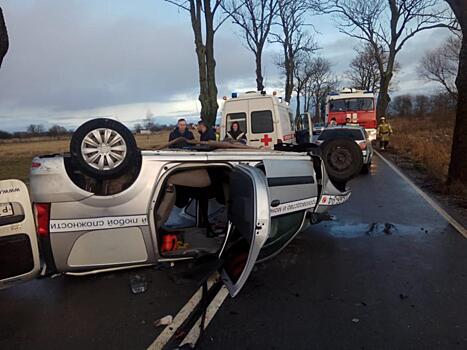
(386, 25)
(56, 131)
(421, 105)
(441, 64)
(203, 22)
(302, 76)
(293, 38)
(35, 129)
(402, 106)
(255, 18)
(457, 173)
(320, 83)
(3, 38)
(363, 70)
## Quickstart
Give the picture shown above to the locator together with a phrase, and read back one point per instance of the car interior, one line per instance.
(192, 212)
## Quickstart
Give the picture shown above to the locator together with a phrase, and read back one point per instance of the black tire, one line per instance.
(119, 151)
(342, 158)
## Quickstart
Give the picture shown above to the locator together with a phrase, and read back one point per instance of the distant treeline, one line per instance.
(440, 105)
(58, 131)
(35, 130)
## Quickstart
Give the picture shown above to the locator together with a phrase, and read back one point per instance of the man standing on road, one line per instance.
(205, 133)
(384, 133)
(180, 131)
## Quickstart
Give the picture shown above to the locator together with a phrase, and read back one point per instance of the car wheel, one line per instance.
(342, 158)
(103, 148)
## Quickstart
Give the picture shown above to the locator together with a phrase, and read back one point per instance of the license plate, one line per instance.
(6, 209)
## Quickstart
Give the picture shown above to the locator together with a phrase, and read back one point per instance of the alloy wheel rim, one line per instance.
(103, 149)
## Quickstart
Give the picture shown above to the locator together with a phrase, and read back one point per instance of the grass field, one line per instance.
(15, 157)
(426, 142)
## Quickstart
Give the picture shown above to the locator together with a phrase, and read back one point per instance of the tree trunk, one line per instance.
(297, 111)
(317, 107)
(306, 103)
(383, 97)
(259, 69)
(210, 113)
(288, 83)
(206, 62)
(458, 165)
(3, 38)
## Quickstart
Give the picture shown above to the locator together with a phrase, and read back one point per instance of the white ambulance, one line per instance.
(265, 119)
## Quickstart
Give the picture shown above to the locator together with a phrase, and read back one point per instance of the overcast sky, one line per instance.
(73, 60)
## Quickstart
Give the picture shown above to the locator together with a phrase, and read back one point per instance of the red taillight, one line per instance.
(35, 165)
(362, 146)
(42, 218)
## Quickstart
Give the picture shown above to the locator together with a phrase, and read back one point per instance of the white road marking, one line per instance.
(195, 332)
(182, 315)
(458, 226)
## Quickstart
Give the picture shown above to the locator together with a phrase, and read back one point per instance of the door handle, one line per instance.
(275, 203)
(254, 140)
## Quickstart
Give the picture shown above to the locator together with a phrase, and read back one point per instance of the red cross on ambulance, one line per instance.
(266, 139)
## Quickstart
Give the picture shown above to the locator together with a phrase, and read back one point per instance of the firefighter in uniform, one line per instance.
(384, 133)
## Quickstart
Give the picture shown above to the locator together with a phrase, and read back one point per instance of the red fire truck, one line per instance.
(357, 105)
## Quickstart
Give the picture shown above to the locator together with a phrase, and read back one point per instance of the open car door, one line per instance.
(19, 251)
(293, 190)
(248, 212)
(304, 128)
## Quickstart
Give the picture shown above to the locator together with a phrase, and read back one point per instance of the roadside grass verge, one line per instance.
(426, 141)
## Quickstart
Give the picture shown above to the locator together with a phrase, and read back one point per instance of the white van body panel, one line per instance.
(248, 104)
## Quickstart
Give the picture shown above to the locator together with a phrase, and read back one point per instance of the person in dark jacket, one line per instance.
(181, 131)
(235, 133)
(205, 133)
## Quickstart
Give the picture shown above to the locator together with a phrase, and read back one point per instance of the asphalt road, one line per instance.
(388, 273)
(93, 312)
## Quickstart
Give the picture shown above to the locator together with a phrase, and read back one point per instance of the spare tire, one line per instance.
(103, 148)
(342, 158)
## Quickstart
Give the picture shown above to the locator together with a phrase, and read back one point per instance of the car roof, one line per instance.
(343, 127)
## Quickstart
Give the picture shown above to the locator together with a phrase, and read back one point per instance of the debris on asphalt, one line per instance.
(389, 228)
(403, 296)
(164, 321)
(355, 320)
(138, 284)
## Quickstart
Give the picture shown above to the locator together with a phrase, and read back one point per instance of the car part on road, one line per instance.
(138, 284)
(164, 321)
(316, 218)
(103, 148)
